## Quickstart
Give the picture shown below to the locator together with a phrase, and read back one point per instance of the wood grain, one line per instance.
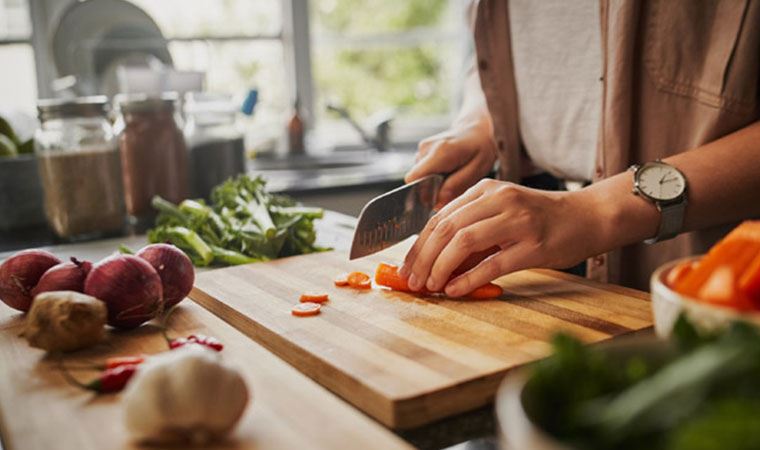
(408, 360)
(38, 410)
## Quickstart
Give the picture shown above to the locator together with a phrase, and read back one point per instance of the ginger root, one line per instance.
(65, 321)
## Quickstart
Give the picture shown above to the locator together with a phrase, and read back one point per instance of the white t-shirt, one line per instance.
(556, 48)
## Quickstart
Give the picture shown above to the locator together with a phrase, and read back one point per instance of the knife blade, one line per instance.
(394, 216)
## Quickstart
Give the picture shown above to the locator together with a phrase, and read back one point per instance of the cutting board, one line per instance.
(404, 359)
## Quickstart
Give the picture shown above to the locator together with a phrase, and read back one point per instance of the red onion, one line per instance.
(20, 273)
(67, 276)
(130, 287)
(174, 268)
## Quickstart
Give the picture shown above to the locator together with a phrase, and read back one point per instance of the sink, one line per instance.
(331, 170)
(314, 162)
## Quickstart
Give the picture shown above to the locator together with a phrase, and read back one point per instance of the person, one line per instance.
(583, 90)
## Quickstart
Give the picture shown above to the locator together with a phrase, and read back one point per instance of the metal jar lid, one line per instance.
(142, 103)
(57, 108)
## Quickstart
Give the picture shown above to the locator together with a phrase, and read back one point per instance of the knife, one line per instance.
(394, 216)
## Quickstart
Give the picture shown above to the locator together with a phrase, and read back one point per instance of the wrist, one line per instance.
(617, 216)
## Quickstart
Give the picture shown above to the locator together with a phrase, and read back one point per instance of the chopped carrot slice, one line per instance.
(487, 291)
(387, 275)
(749, 283)
(359, 280)
(306, 309)
(314, 298)
(364, 285)
(678, 273)
(721, 289)
(341, 280)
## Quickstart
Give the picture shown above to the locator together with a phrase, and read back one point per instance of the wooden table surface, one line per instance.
(39, 410)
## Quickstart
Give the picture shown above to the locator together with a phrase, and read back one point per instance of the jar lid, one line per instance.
(56, 108)
(139, 103)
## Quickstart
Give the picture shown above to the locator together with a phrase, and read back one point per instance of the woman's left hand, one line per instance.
(524, 227)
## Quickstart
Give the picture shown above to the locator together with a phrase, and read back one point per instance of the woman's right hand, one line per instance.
(466, 153)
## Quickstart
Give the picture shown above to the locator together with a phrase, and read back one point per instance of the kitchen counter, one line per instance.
(288, 411)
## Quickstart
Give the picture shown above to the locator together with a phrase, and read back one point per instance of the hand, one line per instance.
(466, 153)
(522, 227)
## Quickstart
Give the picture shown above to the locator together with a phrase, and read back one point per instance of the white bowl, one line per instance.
(667, 305)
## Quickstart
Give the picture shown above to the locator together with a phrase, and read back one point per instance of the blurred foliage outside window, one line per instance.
(370, 55)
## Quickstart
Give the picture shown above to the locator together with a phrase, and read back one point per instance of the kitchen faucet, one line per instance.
(381, 123)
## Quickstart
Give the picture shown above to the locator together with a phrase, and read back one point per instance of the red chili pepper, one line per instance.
(200, 339)
(112, 380)
(112, 363)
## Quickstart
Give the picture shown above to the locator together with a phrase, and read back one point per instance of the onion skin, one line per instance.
(66, 276)
(20, 273)
(130, 288)
(175, 269)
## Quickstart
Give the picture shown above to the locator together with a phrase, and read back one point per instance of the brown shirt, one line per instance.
(676, 74)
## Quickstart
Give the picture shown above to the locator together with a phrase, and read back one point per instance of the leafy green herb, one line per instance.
(700, 392)
(244, 224)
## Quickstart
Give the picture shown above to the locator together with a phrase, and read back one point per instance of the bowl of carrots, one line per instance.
(713, 290)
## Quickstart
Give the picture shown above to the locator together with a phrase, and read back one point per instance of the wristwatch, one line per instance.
(665, 186)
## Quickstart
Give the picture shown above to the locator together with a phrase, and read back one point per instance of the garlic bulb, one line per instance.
(186, 395)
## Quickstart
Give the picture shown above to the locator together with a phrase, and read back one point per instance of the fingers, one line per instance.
(470, 196)
(442, 233)
(470, 240)
(443, 156)
(516, 257)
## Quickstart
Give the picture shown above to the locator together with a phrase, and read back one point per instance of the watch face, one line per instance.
(661, 182)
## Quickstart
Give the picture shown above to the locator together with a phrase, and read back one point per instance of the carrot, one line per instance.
(314, 298)
(487, 291)
(341, 280)
(678, 272)
(749, 283)
(305, 309)
(387, 275)
(736, 253)
(359, 280)
(721, 289)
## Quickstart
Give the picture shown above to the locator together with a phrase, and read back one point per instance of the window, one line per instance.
(375, 55)
(366, 55)
(18, 88)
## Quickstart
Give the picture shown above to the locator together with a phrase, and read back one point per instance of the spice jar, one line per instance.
(79, 167)
(153, 152)
(216, 144)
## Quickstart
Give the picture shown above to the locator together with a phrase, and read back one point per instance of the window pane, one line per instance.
(415, 79)
(18, 86)
(370, 55)
(234, 67)
(14, 20)
(192, 18)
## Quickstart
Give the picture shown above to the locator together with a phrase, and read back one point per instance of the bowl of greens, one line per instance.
(697, 391)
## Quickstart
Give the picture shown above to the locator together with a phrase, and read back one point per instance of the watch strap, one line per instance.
(671, 220)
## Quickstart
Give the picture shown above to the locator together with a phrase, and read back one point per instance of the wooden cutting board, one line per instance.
(408, 360)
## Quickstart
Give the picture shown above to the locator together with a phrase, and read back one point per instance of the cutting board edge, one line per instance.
(375, 404)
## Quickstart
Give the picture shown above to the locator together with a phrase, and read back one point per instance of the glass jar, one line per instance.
(153, 153)
(79, 167)
(215, 139)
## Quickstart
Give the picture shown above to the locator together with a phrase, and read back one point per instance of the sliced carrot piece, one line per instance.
(678, 272)
(314, 298)
(365, 285)
(749, 283)
(720, 289)
(736, 253)
(306, 309)
(487, 291)
(387, 275)
(358, 280)
(341, 280)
